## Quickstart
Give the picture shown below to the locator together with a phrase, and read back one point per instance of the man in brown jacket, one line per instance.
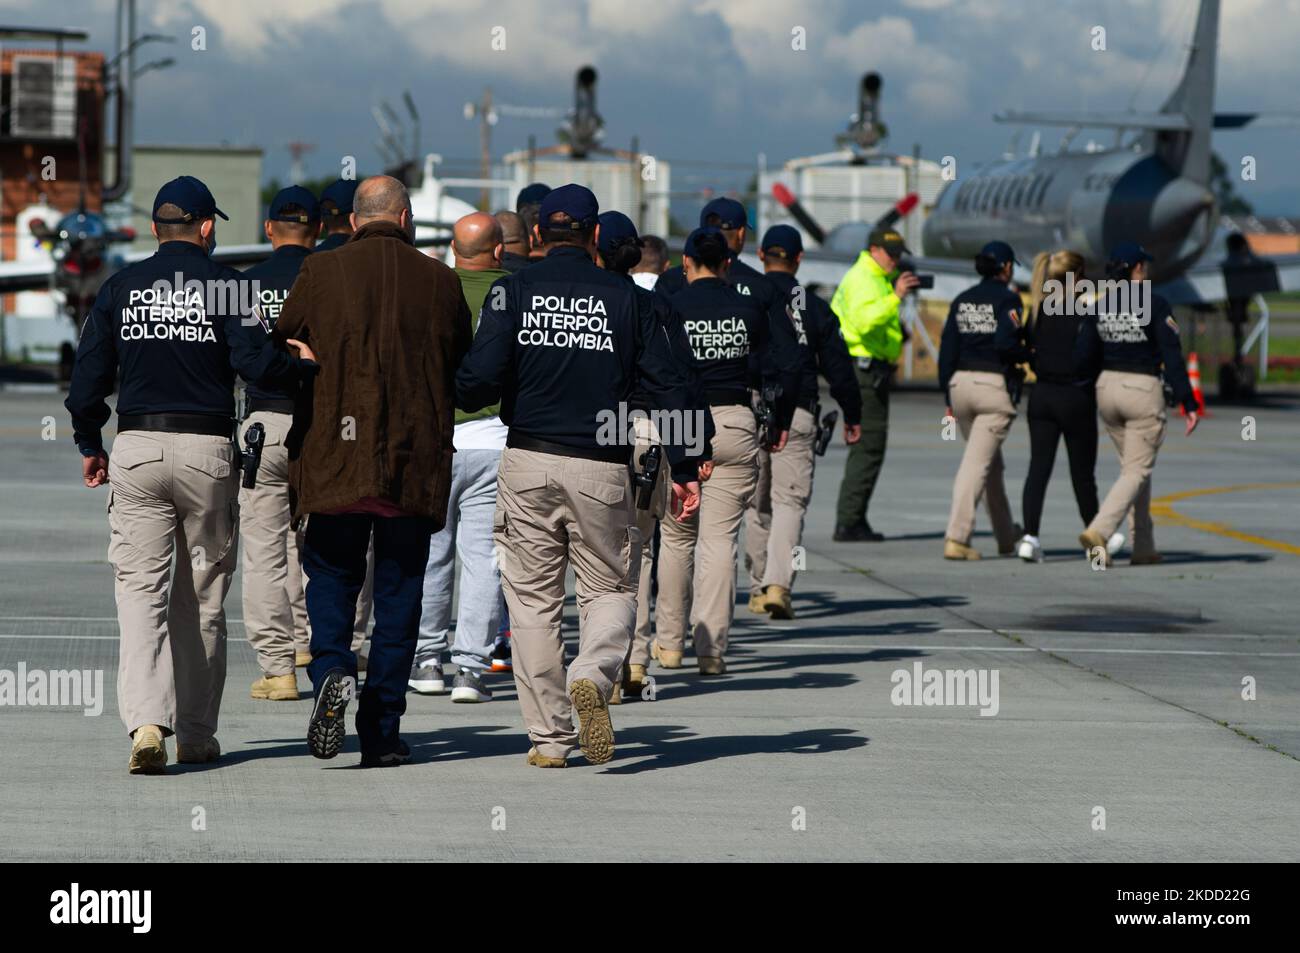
(371, 452)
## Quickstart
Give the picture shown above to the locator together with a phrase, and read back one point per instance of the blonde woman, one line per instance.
(1062, 402)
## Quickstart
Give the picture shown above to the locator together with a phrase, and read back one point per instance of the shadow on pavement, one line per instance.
(673, 746)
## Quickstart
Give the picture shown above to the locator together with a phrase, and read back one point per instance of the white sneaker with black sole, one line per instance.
(468, 688)
(427, 678)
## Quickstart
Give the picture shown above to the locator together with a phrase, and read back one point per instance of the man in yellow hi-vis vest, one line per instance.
(866, 303)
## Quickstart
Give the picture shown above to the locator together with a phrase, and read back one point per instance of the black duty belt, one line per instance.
(1146, 369)
(203, 424)
(988, 367)
(519, 441)
(722, 398)
(274, 405)
(810, 404)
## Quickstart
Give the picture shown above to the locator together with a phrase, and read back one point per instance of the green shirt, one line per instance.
(867, 308)
(474, 285)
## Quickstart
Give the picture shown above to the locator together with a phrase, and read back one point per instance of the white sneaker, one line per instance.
(1029, 549)
(1114, 544)
(426, 677)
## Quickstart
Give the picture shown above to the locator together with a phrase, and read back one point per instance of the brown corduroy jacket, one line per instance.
(389, 326)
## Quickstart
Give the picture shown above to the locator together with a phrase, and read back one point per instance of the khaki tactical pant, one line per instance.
(639, 651)
(1132, 407)
(172, 496)
(700, 553)
(984, 414)
(552, 511)
(774, 523)
(275, 609)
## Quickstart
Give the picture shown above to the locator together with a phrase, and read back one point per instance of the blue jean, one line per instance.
(334, 558)
(468, 534)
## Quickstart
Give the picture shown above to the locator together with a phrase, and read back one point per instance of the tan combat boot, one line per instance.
(276, 688)
(634, 680)
(148, 753)
(711, 665)
(595, 730)
(666, 658)
(756, 602)
(301, 658)
(955, 550)
(1091, 541)
(539, 760)
(202, 753)
(776, 602)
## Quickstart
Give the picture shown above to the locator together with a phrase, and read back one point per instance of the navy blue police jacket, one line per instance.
(821, 348)
(273, 278)
(982, 333)
(738, 344)
(174, 329)
(331, 242)
(1140, 344)
(562, 344)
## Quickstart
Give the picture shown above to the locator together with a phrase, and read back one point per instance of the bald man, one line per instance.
(514, 241)
(369, 455)
(479, 438)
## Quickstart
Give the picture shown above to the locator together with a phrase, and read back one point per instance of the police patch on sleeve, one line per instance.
(1173, 325)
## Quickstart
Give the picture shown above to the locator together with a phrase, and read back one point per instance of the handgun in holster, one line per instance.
(646, 476)
(769, 427)
(1170, 399)
(825, 429)
(1015, 378)
(250, 458)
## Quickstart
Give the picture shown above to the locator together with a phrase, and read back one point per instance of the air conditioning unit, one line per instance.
(43, 97)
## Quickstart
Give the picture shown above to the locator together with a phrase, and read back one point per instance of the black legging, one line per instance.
(1056, 409)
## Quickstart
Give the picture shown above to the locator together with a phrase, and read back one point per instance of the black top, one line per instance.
(1142, 344)
(511, 262)
(175, 328)
(982, 332)
(274, 278)
(331, 242)
(821, 347)
(1054, 353)
(567, 347)
(737, 343)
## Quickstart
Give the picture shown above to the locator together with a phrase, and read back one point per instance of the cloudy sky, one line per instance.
(698, 79)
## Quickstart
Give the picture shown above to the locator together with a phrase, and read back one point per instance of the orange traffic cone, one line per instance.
(1194, 376)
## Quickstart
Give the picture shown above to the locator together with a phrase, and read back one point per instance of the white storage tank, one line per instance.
(637, 185)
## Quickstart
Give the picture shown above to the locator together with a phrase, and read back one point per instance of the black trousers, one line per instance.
(1056, 410)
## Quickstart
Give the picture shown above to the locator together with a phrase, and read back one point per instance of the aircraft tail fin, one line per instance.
(1188, 151)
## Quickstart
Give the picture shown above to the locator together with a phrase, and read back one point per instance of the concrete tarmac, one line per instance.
(1121, 732)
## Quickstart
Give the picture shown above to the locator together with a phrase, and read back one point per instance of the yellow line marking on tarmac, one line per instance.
(1163, 510)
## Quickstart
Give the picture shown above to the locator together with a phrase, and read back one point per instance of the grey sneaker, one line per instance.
(426, 677)
(468, 687)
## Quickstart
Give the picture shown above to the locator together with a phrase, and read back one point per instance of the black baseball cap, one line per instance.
(1130, 253)
(576, 201)
(731, 214)
(294, 195)
(1000, 252)
(615, 229)
(890, 240)
(337, 198)
(191, 196)
(784, 241)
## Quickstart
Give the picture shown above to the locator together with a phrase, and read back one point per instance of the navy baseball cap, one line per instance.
(337, 197)
(689, 249)
(575, 201)
(294, 195)
(1130, 253)
(784, 241)
(731, 214)
(615, 229)
(1000, 252)
(189, 195)
(532, 193)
